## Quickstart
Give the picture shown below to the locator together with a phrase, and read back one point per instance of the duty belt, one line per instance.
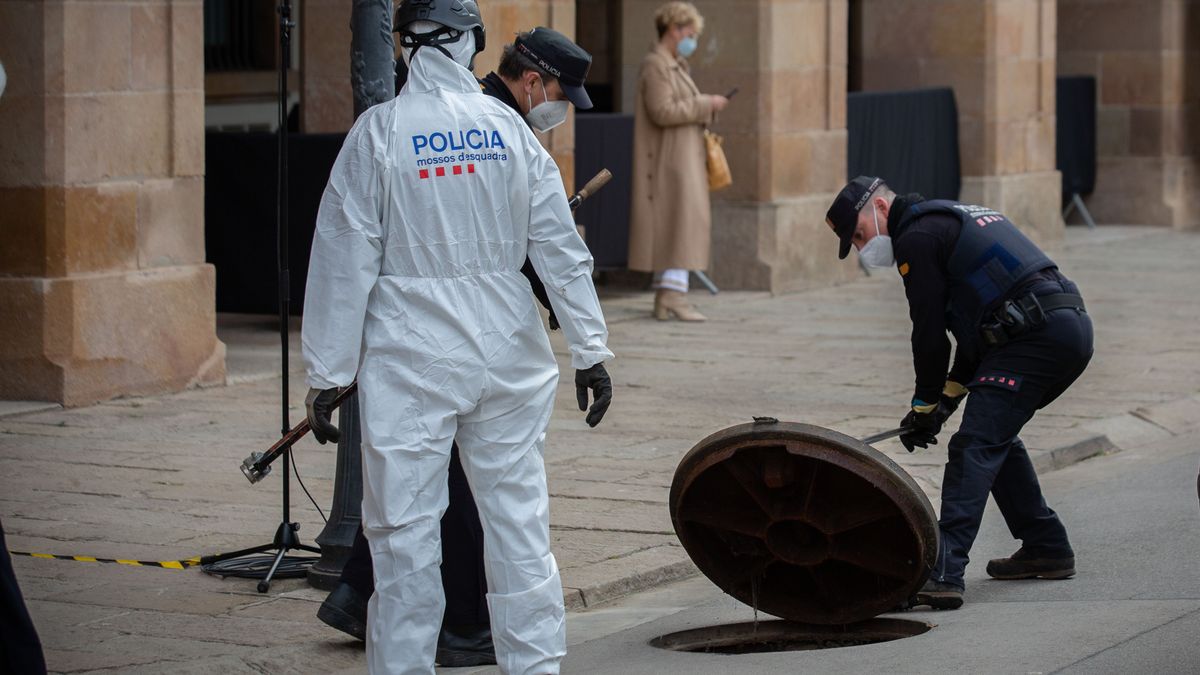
(1020, 315)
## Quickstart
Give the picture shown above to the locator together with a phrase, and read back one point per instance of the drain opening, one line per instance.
(786, 636)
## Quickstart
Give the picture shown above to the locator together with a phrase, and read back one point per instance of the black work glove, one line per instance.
(924, 428)
(594, 378)
(319, 404)
(952, 395)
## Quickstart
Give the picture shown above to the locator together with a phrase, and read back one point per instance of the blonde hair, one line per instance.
(677, 14)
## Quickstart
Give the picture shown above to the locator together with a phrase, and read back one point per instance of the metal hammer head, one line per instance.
(249, 469)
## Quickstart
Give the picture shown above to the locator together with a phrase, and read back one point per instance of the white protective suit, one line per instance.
(414, 285)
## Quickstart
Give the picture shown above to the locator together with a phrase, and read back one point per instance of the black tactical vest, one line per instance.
(989, 260)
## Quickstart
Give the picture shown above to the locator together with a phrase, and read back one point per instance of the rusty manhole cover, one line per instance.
(802, 522)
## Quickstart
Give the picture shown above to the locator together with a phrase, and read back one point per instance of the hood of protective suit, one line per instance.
(462, 51)
(431, 70)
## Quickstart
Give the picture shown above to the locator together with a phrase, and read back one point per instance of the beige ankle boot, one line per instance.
(668, 303)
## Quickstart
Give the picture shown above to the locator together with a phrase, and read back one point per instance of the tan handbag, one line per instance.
(718, 167)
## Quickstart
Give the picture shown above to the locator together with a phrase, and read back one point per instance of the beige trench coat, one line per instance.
(671, 220)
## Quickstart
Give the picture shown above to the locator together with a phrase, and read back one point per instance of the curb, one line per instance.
(13, 408)
(598, 594)
(1062, 457)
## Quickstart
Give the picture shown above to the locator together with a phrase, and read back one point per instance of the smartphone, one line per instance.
(731, 92)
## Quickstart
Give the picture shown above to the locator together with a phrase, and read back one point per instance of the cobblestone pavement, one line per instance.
(157, 479)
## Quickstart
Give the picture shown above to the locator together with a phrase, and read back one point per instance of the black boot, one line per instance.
(346, 610)
(938, 595)
(1026, 565)
(462, 646)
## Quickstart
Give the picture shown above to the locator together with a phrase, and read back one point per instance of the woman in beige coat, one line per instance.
(671, 221)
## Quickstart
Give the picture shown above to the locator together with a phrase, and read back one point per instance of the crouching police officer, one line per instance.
(1023, 336)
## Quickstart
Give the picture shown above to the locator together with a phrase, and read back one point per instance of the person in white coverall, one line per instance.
(415, 287)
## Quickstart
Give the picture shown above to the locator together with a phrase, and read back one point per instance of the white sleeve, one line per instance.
(346, 255)
(563, 262)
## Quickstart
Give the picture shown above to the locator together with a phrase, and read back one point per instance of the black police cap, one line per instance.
(554, 53)
(843, 214)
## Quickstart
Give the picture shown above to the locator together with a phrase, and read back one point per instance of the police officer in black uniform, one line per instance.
(1022, 335)
(541, 66)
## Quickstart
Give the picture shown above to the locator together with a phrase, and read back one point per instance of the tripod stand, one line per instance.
(251, 562)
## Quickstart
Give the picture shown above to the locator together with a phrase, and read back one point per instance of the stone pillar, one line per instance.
(326, 101)
(1145, 56)
(999, 57)
(785, 132)
(103, 283)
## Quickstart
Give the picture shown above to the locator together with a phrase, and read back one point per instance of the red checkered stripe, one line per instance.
(455, 170)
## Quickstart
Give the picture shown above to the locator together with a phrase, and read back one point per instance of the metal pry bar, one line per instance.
(884, 435)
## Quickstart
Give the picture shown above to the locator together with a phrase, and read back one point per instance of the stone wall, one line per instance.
(999, 57)
(103, 284)
(1145, 56)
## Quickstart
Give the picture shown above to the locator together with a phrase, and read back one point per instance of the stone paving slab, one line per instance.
(157, 478)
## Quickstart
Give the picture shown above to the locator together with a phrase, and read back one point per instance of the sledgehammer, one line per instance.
(258, 464)
(598, 181)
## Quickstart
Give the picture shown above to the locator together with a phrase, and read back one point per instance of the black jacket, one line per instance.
(493, 86)
(922, 248)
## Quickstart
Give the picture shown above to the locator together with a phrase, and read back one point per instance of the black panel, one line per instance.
(908, 138)
(605, 141)
(1076, 134)
(239, 214)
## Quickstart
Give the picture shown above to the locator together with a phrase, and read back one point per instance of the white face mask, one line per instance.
(547, 114)
(877, 253)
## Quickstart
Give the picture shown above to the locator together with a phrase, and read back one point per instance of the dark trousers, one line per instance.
(20, 649)
(987, 455)
(463, 576)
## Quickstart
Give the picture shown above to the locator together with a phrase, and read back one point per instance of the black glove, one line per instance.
(319, 404)
(553, 321)
(925, 427)
(594, 378)
(952, 395)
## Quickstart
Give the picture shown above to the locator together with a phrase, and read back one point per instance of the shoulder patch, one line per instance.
(903, 269)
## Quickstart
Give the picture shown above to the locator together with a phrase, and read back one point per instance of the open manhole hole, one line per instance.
(786, 636)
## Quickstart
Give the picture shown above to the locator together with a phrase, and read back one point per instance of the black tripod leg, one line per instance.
(209, 559)
(265, 584)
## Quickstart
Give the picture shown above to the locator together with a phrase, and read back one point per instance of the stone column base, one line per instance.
(1146, 191)
(781, 246)
(1033, 201)
(80, 340)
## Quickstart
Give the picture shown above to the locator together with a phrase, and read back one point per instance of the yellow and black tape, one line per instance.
(165, 564)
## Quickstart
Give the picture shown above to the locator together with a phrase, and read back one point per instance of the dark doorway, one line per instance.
(598, 30)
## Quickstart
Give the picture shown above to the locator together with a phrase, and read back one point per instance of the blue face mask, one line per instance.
(686, 47)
